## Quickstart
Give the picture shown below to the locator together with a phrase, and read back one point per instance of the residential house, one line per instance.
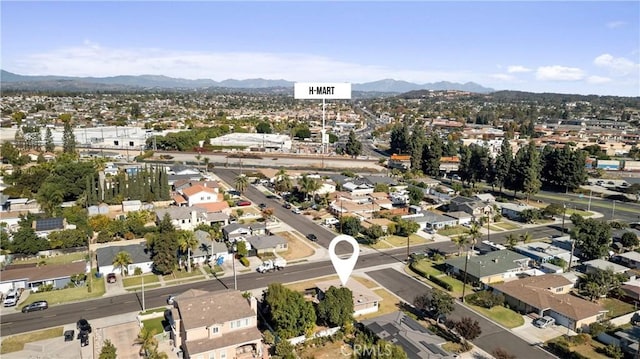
(429, 219)
(496, 266)
(449, 164)
(401, 162)
(358, 190)
(365, 301)
(603, 265)
(417, 341)
(630, 259)
(216, 325)
(32, 277)
(461, 218)
(182, 170)
(140, 258)
(198, 194)
(542, 252)
(207, 248)
(548, 295)
(43, 227)
(382, 222)
(474, 207)
(267, 243)
(485, 197)
(514, 211)
(235, 231)
(186, 218)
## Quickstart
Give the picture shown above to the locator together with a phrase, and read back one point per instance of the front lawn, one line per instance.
(16, 343)
(425, 267)
(506, 225)
(388, 304)
(60, 259)
(398, 241)
(182, 274)
(499, 314)
(616, 307)
(154, 325)
(453, 231)
(69, 294)
(381, 244)
(136, 281)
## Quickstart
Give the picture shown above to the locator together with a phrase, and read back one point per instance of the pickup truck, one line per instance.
(272, 265)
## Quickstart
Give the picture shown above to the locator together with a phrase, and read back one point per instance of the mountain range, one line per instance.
(12, 81)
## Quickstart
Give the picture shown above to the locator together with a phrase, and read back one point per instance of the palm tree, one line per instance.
(474, 233)
(187, 242)
(206, 163)
(461, 242)
(526, 237)
(122, 261)
(308, 185)
(242, 182)
(283, 181)
(147, 340)
(50, 196)
(512, 240)
(198, 157)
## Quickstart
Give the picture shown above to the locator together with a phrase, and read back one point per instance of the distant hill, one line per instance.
(11, 81)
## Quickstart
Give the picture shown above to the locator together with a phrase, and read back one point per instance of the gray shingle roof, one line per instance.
(138, 253)
(266, 242)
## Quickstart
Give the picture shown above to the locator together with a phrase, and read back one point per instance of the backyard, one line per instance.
(59, 259)
(616, 307)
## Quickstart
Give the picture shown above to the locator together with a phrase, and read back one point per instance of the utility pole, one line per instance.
(235, 278)
(564, 211)
(143, 306)
(573, 246)
(464, 281)
(590, 193)
(613, 211)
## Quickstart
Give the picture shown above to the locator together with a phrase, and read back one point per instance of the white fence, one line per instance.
(323, 333)
(623, 319)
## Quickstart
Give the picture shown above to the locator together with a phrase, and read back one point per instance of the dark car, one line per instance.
(39, 305)
(262, 206)
(83, 326)
(287, 205)
(111, 278)
(68, 335)
(243, 203)
(312, 237)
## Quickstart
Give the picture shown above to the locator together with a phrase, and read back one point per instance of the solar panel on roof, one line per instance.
(434, 348)
(375, 328)
(408, 347)
(391, 329)
(414, 325)
(48, 224)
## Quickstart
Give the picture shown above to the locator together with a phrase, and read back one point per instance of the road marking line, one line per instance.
(129, 301)
(47, 316)
(92, 308)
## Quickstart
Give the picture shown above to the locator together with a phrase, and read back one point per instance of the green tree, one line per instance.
(432, 151)
(374, 233)
(629, 240)
(241, 248)
(122, 261)
(283, 181)
(399, 139)
(187, 242)
(289, 313)
(417, 141)
(68, 139)
(25, 241)
(353, 147)
(512, 240)
(48, 141)
(147, 339)
(381, 187)
(350, 225)
(503, 163)
(263, 127)
(336, 308)
(50, 197)
(308, 185)
(108, 350)
(436, 302)
(415, 195)
(592, 237)
(68, 238)
(241, 183)
(285, 350)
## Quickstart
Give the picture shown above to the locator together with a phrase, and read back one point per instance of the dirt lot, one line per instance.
(297, 249)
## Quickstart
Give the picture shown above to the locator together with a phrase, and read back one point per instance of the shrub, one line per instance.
(486, 299)
(244, 261)
(137, 271)
(441, 283)
(612, 351)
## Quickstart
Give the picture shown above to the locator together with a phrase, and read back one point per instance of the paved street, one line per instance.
(492, 337)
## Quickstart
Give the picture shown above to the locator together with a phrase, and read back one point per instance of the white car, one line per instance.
(544, 322)
(296, 210)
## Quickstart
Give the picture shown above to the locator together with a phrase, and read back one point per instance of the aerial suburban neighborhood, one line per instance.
(147, 216)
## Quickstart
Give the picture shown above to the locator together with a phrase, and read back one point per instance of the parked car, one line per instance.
(262, 206)
(111, 278)
(68, 335)
(544, 322)
(287, 205)
(296, 210)
(243, 203)
(11, 299)
(312, 237)
(83, 326)
(39, 305)
(171, 300)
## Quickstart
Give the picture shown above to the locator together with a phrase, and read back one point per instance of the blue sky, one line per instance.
(568, 47)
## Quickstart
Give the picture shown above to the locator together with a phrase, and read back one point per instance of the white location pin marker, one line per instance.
(344, 267)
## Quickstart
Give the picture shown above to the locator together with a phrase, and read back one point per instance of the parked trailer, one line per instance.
(632, 166)
(609, 165)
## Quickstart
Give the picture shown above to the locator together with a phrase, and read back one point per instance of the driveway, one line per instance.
(123, 337)
(535, 335)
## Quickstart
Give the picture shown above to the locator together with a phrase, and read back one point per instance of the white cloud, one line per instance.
(91, 59)
(616, 24)
(618, 66)
(598, 80)
(559, 73)
(518, 68)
